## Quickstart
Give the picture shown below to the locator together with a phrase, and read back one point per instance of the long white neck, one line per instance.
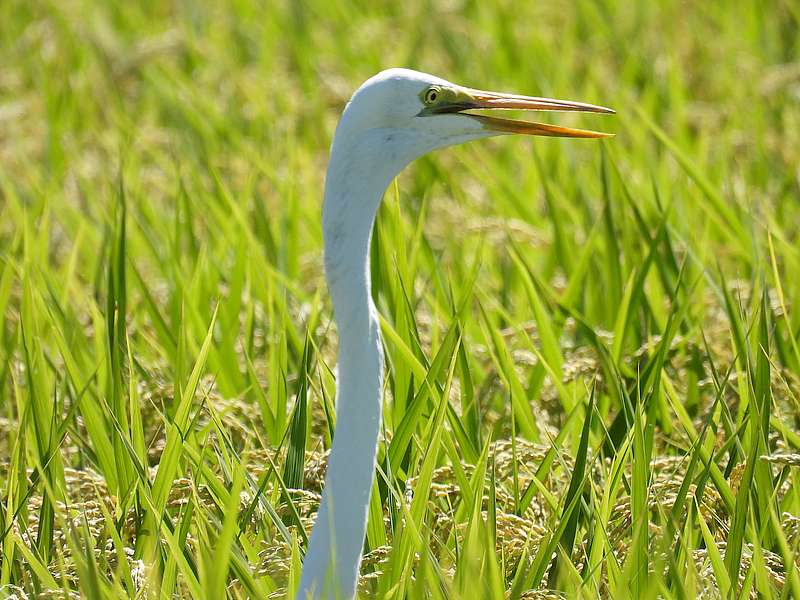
(353, 192)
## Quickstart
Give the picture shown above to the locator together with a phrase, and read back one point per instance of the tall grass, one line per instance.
(592, 348)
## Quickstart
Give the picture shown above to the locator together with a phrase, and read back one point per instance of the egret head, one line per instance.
(402, 114)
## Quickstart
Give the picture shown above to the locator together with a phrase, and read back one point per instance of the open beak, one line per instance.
(480, 100)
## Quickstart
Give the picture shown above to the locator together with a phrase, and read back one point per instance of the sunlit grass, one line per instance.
(593, 363)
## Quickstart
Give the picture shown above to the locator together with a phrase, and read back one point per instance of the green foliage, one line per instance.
(593, 354)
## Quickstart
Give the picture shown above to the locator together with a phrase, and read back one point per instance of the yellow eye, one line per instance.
(432, 95)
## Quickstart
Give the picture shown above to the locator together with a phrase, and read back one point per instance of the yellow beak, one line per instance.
(482, 100)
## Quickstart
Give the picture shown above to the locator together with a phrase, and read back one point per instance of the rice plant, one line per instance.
(593, 361)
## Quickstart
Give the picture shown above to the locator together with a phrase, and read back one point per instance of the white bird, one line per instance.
(394, 117)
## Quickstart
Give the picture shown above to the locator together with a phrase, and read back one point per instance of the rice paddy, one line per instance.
(593, 361)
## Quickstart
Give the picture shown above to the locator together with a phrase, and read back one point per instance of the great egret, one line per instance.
(393, 118)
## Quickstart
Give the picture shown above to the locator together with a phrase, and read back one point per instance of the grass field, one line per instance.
(593, 349)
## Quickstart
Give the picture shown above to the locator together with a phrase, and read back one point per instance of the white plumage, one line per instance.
(393, 118)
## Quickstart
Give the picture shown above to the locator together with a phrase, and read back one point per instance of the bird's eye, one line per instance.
(431, 95)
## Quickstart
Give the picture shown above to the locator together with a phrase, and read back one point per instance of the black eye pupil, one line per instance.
(431, 95)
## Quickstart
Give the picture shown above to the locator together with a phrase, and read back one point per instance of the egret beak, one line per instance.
(477, 99)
